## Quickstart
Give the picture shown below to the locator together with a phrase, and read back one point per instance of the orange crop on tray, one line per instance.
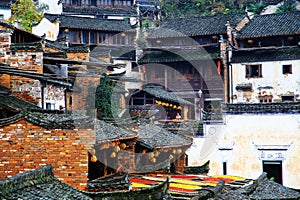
(214, 179)
(139, 180)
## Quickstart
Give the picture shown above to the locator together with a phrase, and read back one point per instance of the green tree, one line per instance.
(105, 101)
(257, 8)
(26, 12)
(289, 7)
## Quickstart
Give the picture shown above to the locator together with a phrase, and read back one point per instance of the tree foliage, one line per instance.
(181, 8)
(257, 8)
(286, 7)
(26, 12)
(105, 101)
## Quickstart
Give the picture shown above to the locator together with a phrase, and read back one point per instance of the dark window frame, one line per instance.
(254, 71)
(287, 69)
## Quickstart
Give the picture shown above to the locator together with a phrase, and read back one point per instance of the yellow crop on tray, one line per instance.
(188, 182)
(185, 186)
(236, 178)
(139, 185)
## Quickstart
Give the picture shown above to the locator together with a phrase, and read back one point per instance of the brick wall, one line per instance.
(25, 146)
(81, 92)
(82, 56)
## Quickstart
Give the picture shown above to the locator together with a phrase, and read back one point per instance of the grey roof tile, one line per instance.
(266, 54)
(107, 132)
(38, 184)
(161, 93)
(195, 26)
(88, 23)
(152, 136)
(272, 25)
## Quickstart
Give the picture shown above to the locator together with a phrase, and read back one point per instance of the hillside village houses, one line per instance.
(238, 75)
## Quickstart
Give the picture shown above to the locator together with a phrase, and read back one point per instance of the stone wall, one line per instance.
(25, 146)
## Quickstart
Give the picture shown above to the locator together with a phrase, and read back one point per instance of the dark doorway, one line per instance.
(273, 170)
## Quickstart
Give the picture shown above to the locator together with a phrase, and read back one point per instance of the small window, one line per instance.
(287, 69)
(70, 101)
(288, 98)
(134, 67)
(253, 71)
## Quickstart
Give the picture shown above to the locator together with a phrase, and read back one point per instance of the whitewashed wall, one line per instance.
(54, 8)
(5, 12)
(46, 27)
(243, 134)
(271, 76)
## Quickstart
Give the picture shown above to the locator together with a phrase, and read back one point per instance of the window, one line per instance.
(70, 101)
(93, 3)
(286, 69)
(134, 67)
(73, 36)
(93, 37)
(224, 168)
(84, 37)
(75, 2)
(287, 98)
(253, 71)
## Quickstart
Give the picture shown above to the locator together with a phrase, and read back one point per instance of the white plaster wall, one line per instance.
(6, 13)
(46, 27)
(242, 133)
(54, 95)
(271, 76)
(54, 8)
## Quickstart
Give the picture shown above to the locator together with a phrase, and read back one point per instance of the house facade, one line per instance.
(259, 128)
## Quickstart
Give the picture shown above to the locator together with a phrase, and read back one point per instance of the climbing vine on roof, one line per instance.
(105, 101)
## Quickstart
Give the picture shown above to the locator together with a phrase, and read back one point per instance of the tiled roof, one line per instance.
(78, 48)
(107, 132)
(261, 188)
(257, 108)
(33, 75)
(27, 46)
(43, 118)
(203, 169)
(266, 54)
(38, 184)
(271, 2)
(116, 182)
(152, 136)
(116, 52)
(61, 120)
(194, 25)
(88, 23)
(177, 55)
(158, 191)
(4, 90)
(98, 11)
(160, 93)
(6, 3)
(16, 104)
(5, 24)
(287, 23)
